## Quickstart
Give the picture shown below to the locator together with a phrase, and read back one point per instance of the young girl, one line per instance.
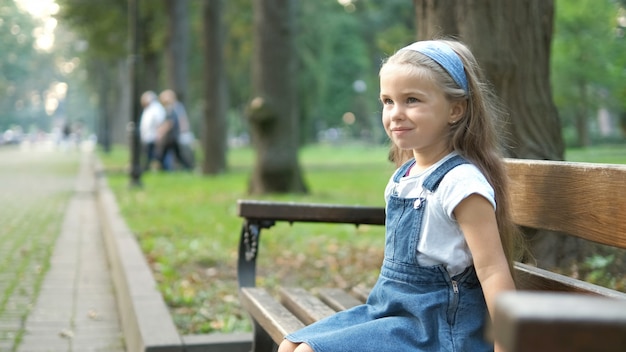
(448, 233)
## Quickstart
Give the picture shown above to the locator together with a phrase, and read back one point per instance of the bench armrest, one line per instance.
(559, 322)
(264, 214)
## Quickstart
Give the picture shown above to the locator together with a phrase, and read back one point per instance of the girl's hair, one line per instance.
(474, 136)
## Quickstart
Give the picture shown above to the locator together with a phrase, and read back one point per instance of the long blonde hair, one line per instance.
(474, 136)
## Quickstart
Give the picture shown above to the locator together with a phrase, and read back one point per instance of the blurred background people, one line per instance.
(170, 132)
(152, 117)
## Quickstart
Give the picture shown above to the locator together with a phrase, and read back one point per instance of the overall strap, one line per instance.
(402, 170)
(432, 181)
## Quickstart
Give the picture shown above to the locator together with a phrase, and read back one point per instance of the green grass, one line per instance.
(608, 154)
(188, 229)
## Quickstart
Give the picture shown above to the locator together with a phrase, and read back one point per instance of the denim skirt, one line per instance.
(407, 310)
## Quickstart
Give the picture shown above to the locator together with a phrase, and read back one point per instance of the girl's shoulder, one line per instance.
(462, 181)
(464, 174)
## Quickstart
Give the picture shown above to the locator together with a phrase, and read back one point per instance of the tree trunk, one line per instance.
(272, 112)
(177, 45)
(104, 115)
(150, 65)
(511, 41)
(120, 101)
(434, 18)
(215, 103)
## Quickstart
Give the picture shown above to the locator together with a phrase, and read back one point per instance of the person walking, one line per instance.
(169, 132)
(152, 116)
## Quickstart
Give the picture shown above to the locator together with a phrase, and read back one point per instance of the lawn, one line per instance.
(188, 229)
(609, 154)
(187, 226)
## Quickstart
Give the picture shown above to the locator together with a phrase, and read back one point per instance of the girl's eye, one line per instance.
(411, 100)
(387, 101)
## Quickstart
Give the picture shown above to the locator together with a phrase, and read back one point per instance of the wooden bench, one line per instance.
(550, 312)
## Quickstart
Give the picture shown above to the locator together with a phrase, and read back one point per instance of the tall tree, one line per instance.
(106, 33)
(272, 112)
(177, 46)
(106, 41)
(215, 102)
(511, 39)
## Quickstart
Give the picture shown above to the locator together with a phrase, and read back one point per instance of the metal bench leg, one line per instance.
(248, 249)
(262, 341)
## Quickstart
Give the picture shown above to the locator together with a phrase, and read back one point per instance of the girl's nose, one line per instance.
(396, 113)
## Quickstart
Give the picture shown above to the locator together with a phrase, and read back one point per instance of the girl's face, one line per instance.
(416, 113)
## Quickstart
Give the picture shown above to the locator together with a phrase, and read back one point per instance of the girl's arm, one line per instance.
(477, 220)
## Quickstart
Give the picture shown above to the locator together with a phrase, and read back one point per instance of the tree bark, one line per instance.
(215, 102)
(434, 18)
(272, 112)
(104, 123)
(511, 40)
(177, 45)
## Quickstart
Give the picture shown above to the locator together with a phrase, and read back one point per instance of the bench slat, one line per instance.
(304, 305)
(338, 299)
(530, 278)
(271, 315)
(560, 322)
(581, 199)
(361, 292)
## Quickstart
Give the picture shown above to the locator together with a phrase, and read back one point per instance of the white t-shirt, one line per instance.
(441, 240)
(151, 118)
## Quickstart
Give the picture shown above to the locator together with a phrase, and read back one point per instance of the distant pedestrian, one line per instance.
(152, 117)
(169, 131)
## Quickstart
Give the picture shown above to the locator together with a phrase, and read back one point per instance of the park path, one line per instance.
(56, 292)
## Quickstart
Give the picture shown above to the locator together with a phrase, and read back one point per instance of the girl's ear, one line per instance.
(457, 111)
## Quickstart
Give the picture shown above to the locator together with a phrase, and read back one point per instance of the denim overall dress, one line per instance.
(411, 307)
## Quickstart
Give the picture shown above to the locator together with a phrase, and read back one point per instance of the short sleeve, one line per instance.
(461, 182)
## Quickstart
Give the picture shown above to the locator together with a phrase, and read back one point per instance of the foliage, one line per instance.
(587, 59)
(340, 46)
(599, 270)
(336, 46)
(105, 34)
(103, 27)
(25, 72)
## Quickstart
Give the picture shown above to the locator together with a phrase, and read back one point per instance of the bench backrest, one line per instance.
(581, 199)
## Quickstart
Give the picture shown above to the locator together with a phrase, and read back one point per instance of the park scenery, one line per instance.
(192, 105)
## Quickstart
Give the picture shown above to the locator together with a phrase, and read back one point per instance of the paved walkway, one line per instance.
(75, 308)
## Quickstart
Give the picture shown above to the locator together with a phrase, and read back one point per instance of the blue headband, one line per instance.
(447, 58)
